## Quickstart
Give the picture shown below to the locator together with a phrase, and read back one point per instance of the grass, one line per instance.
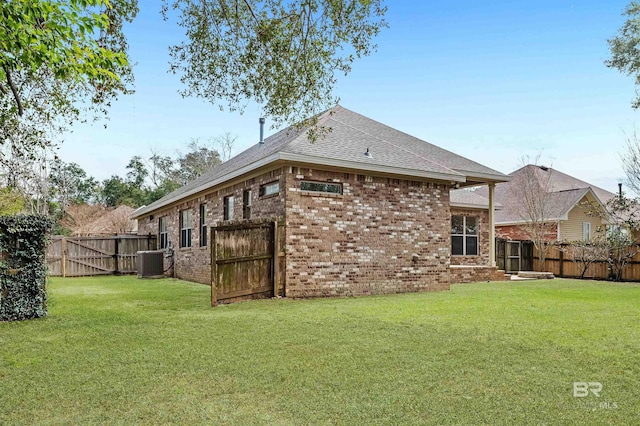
(119, 350)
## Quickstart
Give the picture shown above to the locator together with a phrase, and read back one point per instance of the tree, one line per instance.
(81, 219)
(631, 162)
(585, 253)
(225, 144)
(198, 160)
(70, 184)
(282, 55)
(625, 56)
(11, 202)
(533, 191)
(622, 215)
(59, 58)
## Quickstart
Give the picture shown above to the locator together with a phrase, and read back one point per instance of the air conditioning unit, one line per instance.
(150, 264)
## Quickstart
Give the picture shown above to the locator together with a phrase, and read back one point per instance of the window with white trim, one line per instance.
(163, 233)
(586, 231)
(246, 204)
(185, 228)
(227, 213)
(272, 188)
(203, 226)
(464, 235)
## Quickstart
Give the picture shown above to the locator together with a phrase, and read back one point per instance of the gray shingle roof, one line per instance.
(557, 206)
(469, 198)
(565, 192)
(350, 136)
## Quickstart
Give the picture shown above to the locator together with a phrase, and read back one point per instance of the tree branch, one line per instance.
(16, 95)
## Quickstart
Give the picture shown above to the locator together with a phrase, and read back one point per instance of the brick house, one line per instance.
(365, 210)
(565, 208)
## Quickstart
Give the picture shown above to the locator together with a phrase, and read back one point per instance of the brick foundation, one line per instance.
(461, 274)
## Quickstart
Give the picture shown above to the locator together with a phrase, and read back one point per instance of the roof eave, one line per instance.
(377, 168)
(469, 206)
(455, 177)
(246, 169)
(484, 177)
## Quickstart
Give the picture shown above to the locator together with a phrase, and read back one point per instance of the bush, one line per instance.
(23, 268)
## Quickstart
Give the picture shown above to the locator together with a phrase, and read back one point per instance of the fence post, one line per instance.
(63, 256)
(561, 256)
(275, 259)
(115, 255)
(214, 267)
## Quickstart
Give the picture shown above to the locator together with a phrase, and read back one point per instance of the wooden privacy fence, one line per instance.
(247, 259)
(560, 262)
(83, 256)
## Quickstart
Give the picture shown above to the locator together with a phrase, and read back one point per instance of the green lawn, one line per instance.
(119, 350)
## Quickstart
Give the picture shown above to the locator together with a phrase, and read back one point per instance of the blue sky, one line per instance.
(491, 81)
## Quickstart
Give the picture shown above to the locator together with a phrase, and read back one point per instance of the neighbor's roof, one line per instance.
(557, 206)
(350, 136)
(565, 192)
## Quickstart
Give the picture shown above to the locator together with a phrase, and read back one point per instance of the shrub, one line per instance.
(23, 269)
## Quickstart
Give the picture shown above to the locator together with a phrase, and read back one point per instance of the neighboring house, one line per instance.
(366, 210)
(565, 207)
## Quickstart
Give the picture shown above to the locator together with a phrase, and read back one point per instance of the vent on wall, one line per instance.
(150, 264)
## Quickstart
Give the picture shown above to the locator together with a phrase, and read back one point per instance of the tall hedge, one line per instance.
(23, 268)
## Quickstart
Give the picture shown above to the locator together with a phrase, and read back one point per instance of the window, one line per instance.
(246, 204)
(185, 228)
(586, 231)
(203, 227)
(270, 189)
(616, 231)
(162, 231)
(332, 188)
(228, 208)
(464, 235)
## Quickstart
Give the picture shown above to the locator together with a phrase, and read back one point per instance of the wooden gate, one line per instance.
(83, 256)
(245, 260)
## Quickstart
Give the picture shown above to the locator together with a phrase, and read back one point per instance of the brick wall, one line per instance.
(461, 274)
(194, 263)
(517, 232)
(483, 237)
(380, 236)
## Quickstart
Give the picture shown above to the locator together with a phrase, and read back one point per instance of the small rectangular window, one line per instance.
(163, 234)
(464, 235)
(246, 204)
(269, 189)
(586, 231)
(185, 228)
(331, 188)
(203, 226)
(228, 208)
